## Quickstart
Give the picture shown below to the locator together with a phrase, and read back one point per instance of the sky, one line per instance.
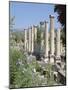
(28, 14)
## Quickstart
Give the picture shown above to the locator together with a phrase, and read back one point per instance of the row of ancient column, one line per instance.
(32, 37)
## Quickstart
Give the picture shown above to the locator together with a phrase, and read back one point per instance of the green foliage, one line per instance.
(14, 56)
(19, 36)
(61, 10)
(22, 73)
(63, 37)
(49, 75)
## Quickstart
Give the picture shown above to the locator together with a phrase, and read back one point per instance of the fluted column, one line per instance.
(58, 45)
(32, 39)
(42, 41)
(51, 39)
(61, 46)
(46, 41)
(29, 40)
(25, 39)
(35, 33)
(35, 39)
(27, 45)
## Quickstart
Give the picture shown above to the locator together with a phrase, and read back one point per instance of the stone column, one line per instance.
(61, 46)
(58, 45)
(27, 45)
(32, 39)
(29, 40)
(51, 39)
(42, 34)
(46, 41)
(35, 39)
(35, 33)
(42, 41)
(25, 40)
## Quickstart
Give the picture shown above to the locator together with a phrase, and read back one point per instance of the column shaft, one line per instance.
(42, 35)
(46, 39)
(51, 35)
(52, 39)
(29, 40)
(25, 40)
(42, 41)
(32, 39)
(58, 59)
(35, 39)
(58, 43)
(35, 34)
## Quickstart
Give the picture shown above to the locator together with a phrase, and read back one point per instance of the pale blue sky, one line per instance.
(27, 14)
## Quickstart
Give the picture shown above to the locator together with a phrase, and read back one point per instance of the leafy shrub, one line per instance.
(22, 73)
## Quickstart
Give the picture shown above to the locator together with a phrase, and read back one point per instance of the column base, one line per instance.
(58, 61)
(46, 59)
(29, 53)
(52, 59)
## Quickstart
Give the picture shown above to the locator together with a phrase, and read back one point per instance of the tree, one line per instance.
(61, 10)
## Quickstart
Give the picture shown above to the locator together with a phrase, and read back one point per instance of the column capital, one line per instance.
(35, 26)
(30, 27)
(45, 21)
(41, 23)
(51, 16)
(25, 29)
